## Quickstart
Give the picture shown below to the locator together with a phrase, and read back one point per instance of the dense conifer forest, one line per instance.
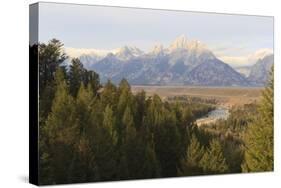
(90, 131)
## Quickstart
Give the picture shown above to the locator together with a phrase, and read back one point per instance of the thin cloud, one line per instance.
(246, 60)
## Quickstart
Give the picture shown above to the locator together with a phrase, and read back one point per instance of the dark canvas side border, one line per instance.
(33, 94)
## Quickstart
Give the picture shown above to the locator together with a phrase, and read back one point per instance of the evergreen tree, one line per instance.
(84, 167)
(124, 85)
(76, 76)
(140, 99)
(131, 144)
(128, 122)
(109, 123)
(185, 125)
(61, 130)
(92, 78)
(147, 165)
(103, 140)
(194, 154)
(213, 161)
(167, 143)
(150, 168)
(126, 146)
(51, 56)
(258, 138)
(84, 107)
(125, 98)
(155, 110)
(233, 153)
(45, 101)
(109, 95)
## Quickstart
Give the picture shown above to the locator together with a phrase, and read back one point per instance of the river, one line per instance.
(219, 113)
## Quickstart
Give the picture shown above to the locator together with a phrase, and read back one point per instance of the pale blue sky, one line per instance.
(83, 26)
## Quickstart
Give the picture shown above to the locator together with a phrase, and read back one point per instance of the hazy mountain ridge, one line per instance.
(259, 71)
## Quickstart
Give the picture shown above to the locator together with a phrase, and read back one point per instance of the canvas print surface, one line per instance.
(130, 93)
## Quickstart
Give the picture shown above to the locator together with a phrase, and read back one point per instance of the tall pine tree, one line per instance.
(51, 56)
(76, 75)
(84, 166)
(213, 161)
(258, 138)
(61, 131)
(194, 154)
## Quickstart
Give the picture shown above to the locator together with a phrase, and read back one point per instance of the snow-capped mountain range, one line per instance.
(183, 62)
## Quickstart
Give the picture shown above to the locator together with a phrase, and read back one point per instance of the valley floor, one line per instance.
(225, 96)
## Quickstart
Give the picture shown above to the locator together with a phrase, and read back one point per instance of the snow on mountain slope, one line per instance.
(183, 62)
(127, 52)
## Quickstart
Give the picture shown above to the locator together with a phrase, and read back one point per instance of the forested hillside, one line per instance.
(94, 132)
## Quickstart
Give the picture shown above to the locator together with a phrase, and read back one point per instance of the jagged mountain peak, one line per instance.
(179, 42)
(182, 42)
(190, 52)
(127, 52)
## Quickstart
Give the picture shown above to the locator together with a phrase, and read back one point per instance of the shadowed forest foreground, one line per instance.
(93, 132)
